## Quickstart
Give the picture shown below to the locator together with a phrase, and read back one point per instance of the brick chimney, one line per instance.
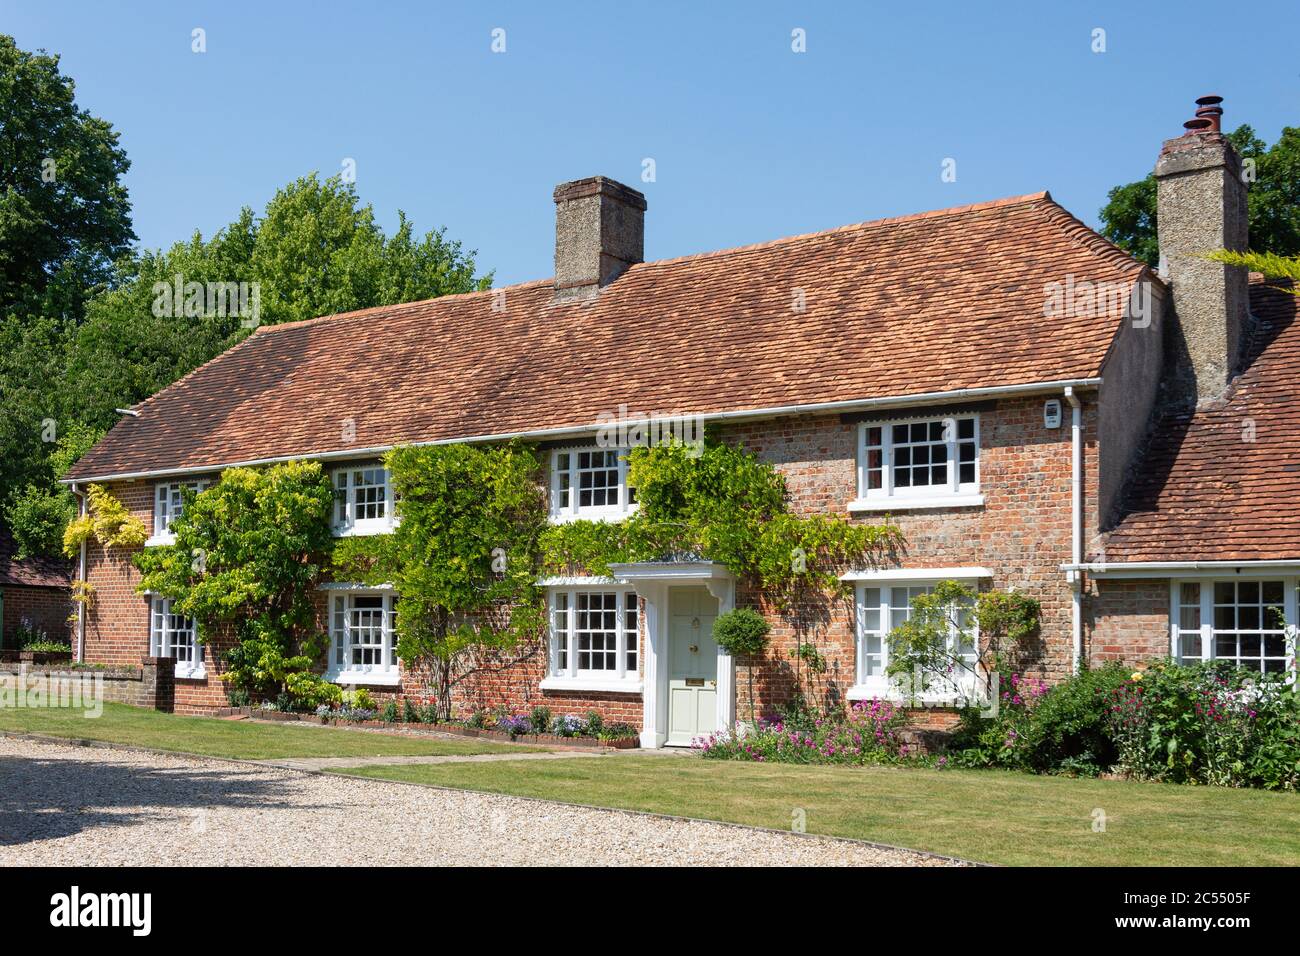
(599, 232)
(1201, 206)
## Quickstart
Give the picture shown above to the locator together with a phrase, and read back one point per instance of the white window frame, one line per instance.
(341, 669)
(167, 507)
(866, 686)
(165, 639)
(1206, 632)
(954, 493)
(344, 479)
(572, 510)
(563, 670)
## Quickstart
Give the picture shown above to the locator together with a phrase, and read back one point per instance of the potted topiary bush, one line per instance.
(743, 633)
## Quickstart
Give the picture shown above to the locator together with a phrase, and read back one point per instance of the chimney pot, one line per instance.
(1201, 207)
(599, 232)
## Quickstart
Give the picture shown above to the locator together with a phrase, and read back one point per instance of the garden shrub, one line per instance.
(868, 732)
(540, 718)
(409, 714)
(1040, 729)
(389, 715)
(1208, 723)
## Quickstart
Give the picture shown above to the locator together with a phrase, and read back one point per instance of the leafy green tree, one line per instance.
(38, 513)
(315, 251)
(1129, 218)
(462, 559)
(742, 632)
(248, 553)
(64, 213)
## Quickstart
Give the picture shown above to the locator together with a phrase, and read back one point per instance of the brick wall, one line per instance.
(1126, 621)
(1021, 534)
(43, 609)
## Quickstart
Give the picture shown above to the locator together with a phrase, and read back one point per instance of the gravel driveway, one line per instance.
(91, 806)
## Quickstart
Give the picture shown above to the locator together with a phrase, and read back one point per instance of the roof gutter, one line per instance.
(574, 431)
(1158, 569)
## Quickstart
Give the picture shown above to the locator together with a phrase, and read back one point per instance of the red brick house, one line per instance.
(1034, 408)
(34, 596)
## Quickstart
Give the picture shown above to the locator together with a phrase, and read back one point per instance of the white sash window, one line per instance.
(174, 635)
(362, 642)
(594, 639)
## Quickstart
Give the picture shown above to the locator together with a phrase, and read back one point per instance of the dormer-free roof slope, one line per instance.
(934, 302)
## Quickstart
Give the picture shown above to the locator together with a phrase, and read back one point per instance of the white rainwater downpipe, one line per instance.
(81, 577)
(1076, 524)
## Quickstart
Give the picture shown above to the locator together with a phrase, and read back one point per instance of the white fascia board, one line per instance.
(580, 431)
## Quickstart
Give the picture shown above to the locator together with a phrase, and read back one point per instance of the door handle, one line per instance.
(695, 648)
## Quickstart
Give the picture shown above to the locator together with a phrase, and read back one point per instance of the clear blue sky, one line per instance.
(751, 141)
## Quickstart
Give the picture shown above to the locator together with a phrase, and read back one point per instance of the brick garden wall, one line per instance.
(43, 609)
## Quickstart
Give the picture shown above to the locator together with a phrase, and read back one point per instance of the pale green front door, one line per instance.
(692, 665)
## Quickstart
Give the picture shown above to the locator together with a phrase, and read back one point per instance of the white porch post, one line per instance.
(724, 589)
(654, 687)
(653, 581)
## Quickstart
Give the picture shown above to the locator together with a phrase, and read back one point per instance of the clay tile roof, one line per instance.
(38, 572)
(926, 303)
(1206, 491)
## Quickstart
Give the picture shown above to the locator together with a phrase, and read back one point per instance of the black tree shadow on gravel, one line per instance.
(43, 799)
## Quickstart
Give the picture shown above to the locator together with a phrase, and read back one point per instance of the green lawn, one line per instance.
(230, 738)
(990, 816)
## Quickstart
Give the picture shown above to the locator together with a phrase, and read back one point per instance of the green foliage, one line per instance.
(1208, 723)
(63, 207)
(389, 713)
(937, 640)
(741, 632)
(315, 251)
(726, 505)
(1280, 268)
(462, 559)
(107, 520)
(38, 514)
(869, 732)
(1041, 729)
(1129, 216)
(247, 555)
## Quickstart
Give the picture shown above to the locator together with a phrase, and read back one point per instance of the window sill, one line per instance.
(613, 686)
(364, 678)
(602, 516)
(198, 673)
(363, 529)
(160, 540)
(891, 694)
(916, 504)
